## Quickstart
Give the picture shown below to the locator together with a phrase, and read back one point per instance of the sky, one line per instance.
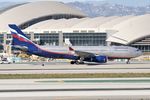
(123, 2)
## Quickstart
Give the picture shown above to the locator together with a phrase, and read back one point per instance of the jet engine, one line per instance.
(98, 59)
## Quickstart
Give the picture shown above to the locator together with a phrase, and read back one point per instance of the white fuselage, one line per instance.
(114, 52)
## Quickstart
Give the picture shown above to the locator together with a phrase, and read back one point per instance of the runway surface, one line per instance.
(76, 89)
(63, 68)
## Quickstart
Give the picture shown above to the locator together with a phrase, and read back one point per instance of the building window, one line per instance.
(142, 44)
(86, 39)
(1, 38)
(47, 39)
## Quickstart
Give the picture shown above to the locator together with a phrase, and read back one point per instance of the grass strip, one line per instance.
(99, 75)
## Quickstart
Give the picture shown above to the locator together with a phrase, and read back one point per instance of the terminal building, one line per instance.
(50, 23)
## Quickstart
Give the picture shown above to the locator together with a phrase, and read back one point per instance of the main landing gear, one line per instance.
(80, 61)
(76, 62)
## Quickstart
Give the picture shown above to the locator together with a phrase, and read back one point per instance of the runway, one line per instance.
(65, 68)
(75, 89)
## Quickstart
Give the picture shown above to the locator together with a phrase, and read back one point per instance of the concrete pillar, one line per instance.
(32, 36)
(4, 42)
(108, 43)
(60, 39)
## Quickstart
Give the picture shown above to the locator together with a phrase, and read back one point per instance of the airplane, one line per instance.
(22, 42)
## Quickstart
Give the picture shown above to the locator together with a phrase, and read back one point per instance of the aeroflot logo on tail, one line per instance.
(19, 36)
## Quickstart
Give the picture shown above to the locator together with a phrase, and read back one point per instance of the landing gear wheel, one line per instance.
(76, 62)
(128, 61)
(72, 62)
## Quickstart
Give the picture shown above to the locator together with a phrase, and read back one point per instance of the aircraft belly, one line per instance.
(119, 55)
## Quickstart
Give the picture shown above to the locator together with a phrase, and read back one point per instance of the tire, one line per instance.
(72, 62)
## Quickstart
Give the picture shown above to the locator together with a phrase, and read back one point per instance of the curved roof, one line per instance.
(115, 21)
(73, 23)
(93, 22)
(100, 23)
(12, 6)
(131, 30)
(57, 24)
(68, 23)
(30, 11)
(83, 23)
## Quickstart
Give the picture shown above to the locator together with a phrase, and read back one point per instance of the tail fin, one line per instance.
(19, 38)
(16, 29)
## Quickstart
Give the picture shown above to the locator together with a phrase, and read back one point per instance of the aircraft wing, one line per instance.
(82, 53)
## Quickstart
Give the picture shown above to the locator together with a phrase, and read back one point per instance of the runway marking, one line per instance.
(84, 89)
(98, 81)
(70, 69)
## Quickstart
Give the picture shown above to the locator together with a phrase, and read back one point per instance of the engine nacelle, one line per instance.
(98, 59)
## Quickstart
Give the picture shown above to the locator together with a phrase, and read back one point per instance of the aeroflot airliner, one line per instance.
(78, 55)
(21, 41)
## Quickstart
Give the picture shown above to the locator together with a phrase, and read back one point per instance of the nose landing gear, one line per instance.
(128, 61)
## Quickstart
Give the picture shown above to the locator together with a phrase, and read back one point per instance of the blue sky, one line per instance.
(124, 2)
